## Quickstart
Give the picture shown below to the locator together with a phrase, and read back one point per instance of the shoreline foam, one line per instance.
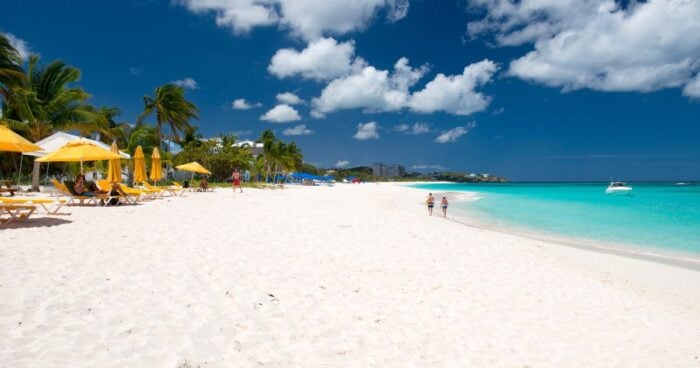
(470, 217)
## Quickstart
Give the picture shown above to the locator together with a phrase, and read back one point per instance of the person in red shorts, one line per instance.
(237, 180)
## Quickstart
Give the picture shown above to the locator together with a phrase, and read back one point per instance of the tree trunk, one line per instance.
(36, 173)
(130, 176)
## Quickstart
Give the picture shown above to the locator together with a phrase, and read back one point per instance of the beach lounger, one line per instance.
(15, 212)
(142, 193)
(75, 199)
(131, 197)
(163, 190)
(72, 199)
(7, 186)
(49, 205)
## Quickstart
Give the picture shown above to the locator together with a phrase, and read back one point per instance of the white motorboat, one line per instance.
(618, 188)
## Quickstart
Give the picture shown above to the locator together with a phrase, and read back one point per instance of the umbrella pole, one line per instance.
(19, 174)
(46, 179)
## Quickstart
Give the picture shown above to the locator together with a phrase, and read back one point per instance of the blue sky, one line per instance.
(546, 90)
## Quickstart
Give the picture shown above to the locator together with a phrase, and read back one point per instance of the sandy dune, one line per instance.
(348, 276)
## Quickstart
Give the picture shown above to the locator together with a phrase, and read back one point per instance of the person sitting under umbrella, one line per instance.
(84, 190)
(204, 185)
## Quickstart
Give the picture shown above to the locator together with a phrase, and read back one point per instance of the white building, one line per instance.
(256, 148)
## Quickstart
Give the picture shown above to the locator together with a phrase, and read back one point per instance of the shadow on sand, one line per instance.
(35, 222)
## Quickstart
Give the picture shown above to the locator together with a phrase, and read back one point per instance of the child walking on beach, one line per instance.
(431, 202)
(443, 204)
(237, 180)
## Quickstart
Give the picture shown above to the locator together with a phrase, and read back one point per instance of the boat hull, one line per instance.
(619, 191)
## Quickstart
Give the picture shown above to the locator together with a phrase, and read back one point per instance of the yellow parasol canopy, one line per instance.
(194, 167)
(139, 165)
(13, 142)
(79, 150)
(156, 169)
(114, 170)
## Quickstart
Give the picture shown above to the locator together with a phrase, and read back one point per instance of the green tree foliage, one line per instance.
(218, 156)
(42, 100)
(279, 157)
(11, 73)
(46, 102)
(170, 108)
(143, 135)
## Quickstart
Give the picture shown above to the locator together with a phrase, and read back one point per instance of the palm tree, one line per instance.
(190, 137)
(258, 167)
(45, 102)
(267, 137)
(170, 108)
(11, 73)
(294, 153)
(143, 135)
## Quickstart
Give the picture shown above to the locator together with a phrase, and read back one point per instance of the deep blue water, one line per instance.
(658, 216)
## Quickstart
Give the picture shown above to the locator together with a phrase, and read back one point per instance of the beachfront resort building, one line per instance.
(388, 171)
(256, 148)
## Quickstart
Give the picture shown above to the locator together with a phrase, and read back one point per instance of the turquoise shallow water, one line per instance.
(661, 217)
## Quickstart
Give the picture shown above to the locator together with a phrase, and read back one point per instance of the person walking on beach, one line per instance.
(237, 180)
(431, 202)
(443, 204)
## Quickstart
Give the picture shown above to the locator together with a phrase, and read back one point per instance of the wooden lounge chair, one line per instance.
(7, 186)
(49, 205)
(15, 212)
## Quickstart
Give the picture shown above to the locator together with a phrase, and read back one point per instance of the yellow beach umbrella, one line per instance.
(114, 170)
(194, 167)
(156, 170)
(139, 165)
(13, 142)
(79, 150)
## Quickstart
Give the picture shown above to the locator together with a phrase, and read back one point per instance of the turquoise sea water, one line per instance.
(658, 217)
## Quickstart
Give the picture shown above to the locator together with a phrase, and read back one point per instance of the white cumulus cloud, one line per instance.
(308, 19)
(322, 59)
(370, 89)
(300, 129)
(398, 10)
(281, 114)
(453, 134)
(455, 94)
(342, 163)
(20, 45)
(367, 131)
(376, 90)
(692, 89)
(415, 129)
(289, 98)
(242, 104)
(239, 15)
(601, 45)
(187, 83)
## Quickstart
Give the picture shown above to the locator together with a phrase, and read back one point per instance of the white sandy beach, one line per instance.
(344, 276)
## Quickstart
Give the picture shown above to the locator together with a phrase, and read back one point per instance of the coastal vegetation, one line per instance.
(364, 173)
(40, 99)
